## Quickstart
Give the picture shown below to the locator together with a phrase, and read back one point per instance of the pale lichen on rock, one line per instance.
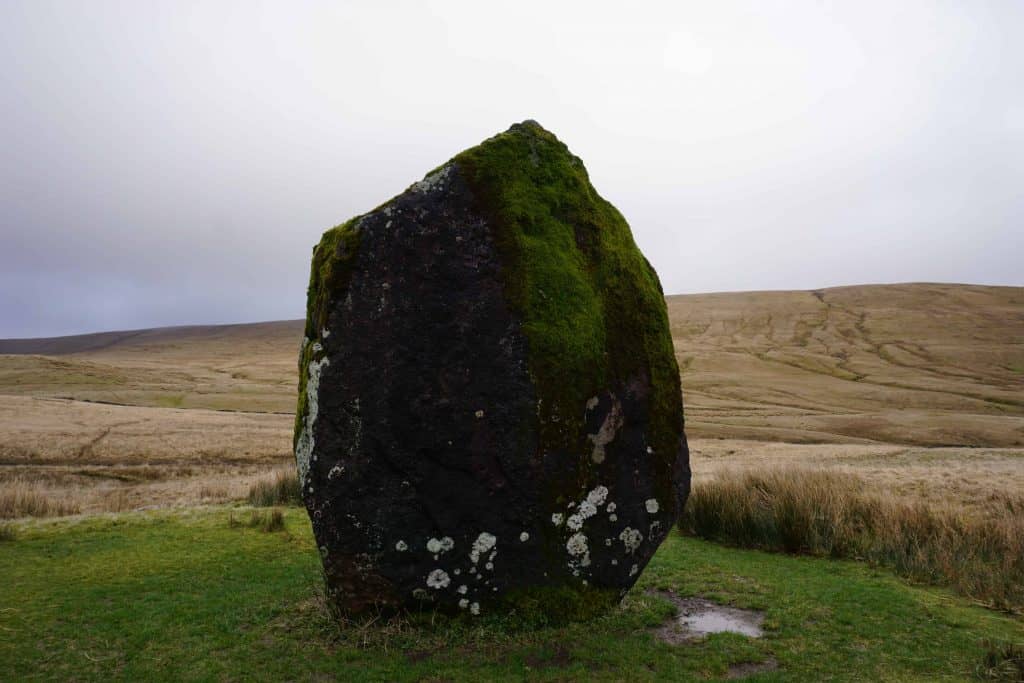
(306, 440)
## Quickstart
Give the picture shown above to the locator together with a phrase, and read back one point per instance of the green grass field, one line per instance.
(192, 596)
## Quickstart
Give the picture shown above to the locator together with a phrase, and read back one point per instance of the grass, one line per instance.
(1002, 662)
(979, 554)
(269, 521)
(8, 532)
(279, 488)
(19, 498)
(185, 596)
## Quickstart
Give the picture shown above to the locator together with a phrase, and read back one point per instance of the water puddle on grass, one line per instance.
(698, 618)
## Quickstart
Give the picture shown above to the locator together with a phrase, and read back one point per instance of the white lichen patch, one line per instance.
(438, 546)
(634, 569)
(652, 505)
(483, 543)
(335, 471)
(598, 496)
(438, 579)
(461, 590)
(479, 414)
(524, 537)
(592, 403)
(325, 333)
(631, 538)
(585, 511)
(607, 432)
(611, 507)
(401, 546)
(432, 181)
(305, 443)
(474, 608)
(557, 519)
(577, 545)
(463, 603)
(613, 518)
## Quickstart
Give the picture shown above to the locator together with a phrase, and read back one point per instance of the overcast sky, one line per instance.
(169, 163)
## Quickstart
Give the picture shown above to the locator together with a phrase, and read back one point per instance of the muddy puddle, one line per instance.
(698, 618)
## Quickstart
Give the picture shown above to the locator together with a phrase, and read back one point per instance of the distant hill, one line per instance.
(928, 364)
(924, 364)
(282, 330)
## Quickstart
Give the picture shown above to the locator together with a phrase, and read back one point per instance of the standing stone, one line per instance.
(489, 406)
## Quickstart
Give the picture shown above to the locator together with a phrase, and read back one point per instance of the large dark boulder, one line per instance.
(489, 407)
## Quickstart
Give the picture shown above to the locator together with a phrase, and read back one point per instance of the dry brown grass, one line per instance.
(979, 553)
(107, 458)
(279, 488)
(942, 477)
(1003, 661)
(917, 364)
(116, 500)
(20, 498)
(223, 367)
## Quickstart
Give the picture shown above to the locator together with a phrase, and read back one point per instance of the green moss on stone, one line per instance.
(333, 261)
(592, 307)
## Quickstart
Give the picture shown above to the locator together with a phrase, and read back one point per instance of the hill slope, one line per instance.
(867, 379)
(915, 364)
(923, 364)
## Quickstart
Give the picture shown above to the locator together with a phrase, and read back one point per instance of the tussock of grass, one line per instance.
(117, 500)
(1002, 662)
(268, 521)
(7, 532)
(979, 554)
(280, 488)
(23, 499)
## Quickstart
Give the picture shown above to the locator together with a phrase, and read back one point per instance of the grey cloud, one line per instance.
(174, 162)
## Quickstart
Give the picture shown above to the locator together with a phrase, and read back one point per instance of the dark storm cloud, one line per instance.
(171, 163)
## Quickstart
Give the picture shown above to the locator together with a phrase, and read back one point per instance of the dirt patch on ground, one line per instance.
(559, 658)
(744, 669)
